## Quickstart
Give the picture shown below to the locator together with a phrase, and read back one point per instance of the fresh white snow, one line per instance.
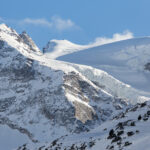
(51, 76)
(125, 60)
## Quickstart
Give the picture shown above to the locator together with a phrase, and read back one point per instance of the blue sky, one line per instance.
(80, 21)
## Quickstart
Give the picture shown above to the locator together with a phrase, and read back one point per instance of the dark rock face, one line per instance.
(111, 134)
(139, 117)
(147, 67)
(116, 139)
(120, 133)
(132, 123)
(143, 104)
(27, 40)
(18, 67)
(127, 143)
(148, 112)
(120, 126)
(6, 103)
(130, 133)
(1, 44)
(50, 46)
(25, 72)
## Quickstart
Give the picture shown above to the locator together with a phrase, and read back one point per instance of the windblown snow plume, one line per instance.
(57, 48)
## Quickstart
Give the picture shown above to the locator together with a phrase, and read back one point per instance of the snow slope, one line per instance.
(8, 138)
(44, 99)
(125, 60)
(126, 131)
(56, 48)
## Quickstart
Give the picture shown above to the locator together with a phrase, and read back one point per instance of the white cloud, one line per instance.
(116, 37)
(61, 24)
(55, 23)
(39, 22)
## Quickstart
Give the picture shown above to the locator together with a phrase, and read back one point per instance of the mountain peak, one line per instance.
(3, 26)
(6, 28)
(27, 40)
(13, 39)
(54, 44)
(56, 48)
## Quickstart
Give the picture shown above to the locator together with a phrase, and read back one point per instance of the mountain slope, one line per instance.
(126, 60)
(43, 99)
(128, 130)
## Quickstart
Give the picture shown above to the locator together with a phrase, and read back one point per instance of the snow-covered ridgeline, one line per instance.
(112, 85)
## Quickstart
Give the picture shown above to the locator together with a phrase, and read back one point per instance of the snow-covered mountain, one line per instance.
(127, 60)
(56, 48)
(42, 99)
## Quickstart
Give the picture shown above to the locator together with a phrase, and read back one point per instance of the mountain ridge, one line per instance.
(57, 48)
(45, 99)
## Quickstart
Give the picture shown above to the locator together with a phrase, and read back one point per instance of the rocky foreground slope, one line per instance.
(46, 100)
(128, 130)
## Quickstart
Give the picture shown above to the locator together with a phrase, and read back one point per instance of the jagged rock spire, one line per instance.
(27, 40)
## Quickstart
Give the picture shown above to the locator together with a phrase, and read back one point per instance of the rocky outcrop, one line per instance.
(27, 40)
(147, 66)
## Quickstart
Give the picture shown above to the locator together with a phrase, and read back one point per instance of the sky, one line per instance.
(79, 21)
